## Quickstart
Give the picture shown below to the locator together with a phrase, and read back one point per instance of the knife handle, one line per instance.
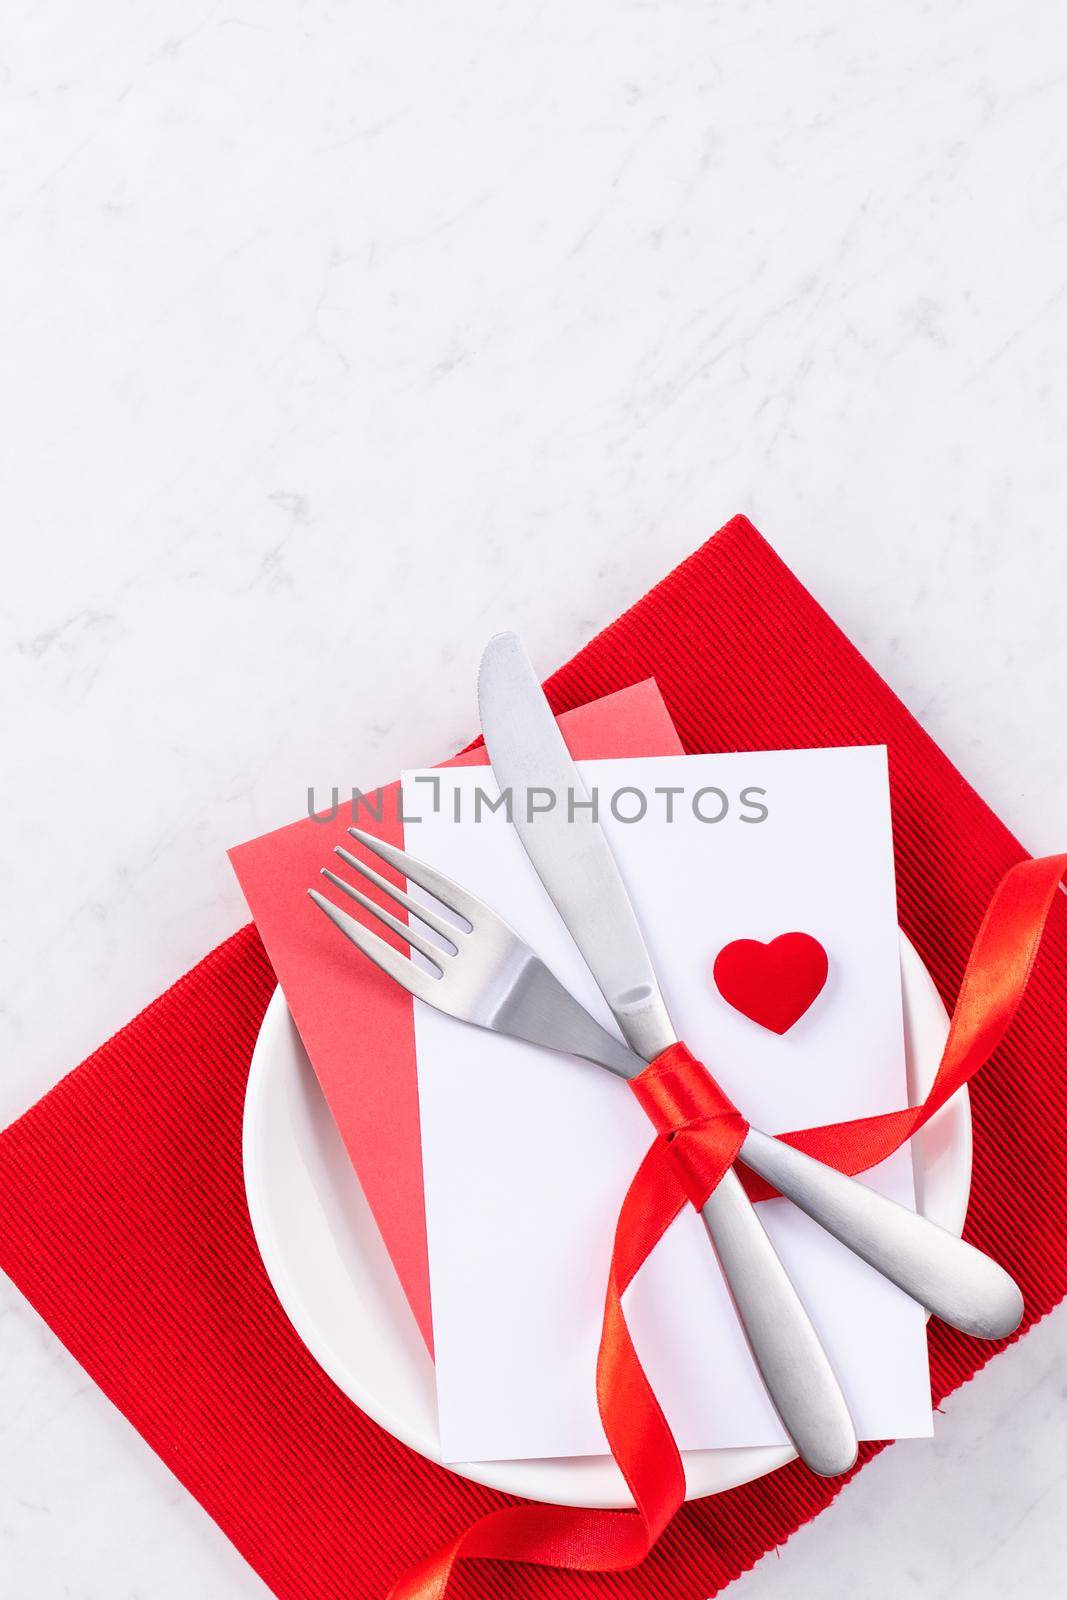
(959, 1284)
(786, 1349)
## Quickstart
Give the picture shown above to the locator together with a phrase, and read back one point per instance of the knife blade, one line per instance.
(553, 815)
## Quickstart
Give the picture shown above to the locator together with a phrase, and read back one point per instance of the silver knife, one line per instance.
(574, 861)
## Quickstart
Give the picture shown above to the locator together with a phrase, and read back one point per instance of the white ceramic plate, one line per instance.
(331, 1272)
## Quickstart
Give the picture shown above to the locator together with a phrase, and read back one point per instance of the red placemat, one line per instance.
(122, 1212)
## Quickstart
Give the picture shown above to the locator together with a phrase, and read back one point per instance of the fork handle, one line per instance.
(949, 1277)
(786, 1349)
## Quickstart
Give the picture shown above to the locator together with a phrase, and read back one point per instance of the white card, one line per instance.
(527, 1155)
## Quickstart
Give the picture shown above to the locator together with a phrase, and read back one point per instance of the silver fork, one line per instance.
(486, 974)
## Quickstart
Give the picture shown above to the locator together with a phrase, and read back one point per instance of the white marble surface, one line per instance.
(336, 335)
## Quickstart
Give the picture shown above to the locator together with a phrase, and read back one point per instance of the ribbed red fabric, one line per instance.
(122, 1213)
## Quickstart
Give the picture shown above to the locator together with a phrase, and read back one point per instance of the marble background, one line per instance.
(335, 336)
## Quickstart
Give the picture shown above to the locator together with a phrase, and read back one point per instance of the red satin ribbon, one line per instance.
(699, 1133)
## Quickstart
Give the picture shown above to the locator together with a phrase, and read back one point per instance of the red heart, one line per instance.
(774, 983)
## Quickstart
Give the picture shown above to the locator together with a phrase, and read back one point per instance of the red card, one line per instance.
(356, 1024)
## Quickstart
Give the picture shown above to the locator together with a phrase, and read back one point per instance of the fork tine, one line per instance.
(425, 913)
(418, 940)
(450, 894)
(396, 966)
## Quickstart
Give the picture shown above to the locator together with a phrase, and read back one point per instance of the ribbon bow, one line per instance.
(699, 1133)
